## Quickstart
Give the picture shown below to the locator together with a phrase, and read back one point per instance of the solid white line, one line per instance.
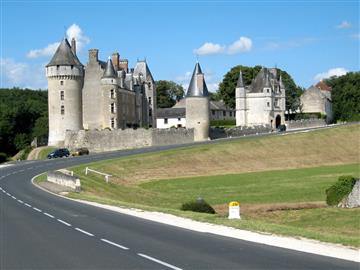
(1, 188)
(114, 244)
(28, 205)
(85, 232)
(63, 222)
(50, 216)
(159, 262)
(20, 201)
(37, 209)
(13, 197)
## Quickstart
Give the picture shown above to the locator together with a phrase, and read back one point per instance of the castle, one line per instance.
(100, 95)
(262, 102)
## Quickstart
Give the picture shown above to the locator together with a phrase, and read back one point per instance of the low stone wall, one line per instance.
(217, 133)
(305, 123)
(65, 180)
(353, 199)
(110, 140)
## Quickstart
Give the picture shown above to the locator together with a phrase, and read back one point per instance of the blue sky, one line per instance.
(309, 39)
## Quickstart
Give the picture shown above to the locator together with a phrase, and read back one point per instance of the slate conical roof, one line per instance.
(194, 89)
(240, 82)
(109, 70)
(64, 56)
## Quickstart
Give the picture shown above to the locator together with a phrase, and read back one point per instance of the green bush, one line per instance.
(3, 157)
(198, 206)
(25, 153)
(340, 189)
(216, 123)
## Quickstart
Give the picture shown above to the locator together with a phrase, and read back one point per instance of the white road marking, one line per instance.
(63, 222)
(47, 214)
(20, 201)
(84, 232)
(159, 262)
(28, 205)
(1, 187)
(13, 197)
(8, 194)
(37, 209)
(114, 244)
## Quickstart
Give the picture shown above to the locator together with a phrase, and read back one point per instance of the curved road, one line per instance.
(41, 231)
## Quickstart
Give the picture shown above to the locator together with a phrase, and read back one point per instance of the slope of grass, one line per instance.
(312, 149)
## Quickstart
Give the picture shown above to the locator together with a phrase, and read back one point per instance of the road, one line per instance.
(41, 231)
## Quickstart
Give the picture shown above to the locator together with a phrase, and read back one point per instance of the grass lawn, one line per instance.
(44, 152)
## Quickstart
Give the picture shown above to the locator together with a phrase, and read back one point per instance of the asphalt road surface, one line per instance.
(41, 231)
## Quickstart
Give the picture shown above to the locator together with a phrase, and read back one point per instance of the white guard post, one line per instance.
(234, 210)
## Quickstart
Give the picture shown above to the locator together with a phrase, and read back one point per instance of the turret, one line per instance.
(109, 89)
(65, 76)
(240, 102)
(197, 105)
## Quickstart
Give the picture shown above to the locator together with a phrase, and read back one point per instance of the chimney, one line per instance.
(73, 46)
(93, 55)
(115, 59)
(124, 65)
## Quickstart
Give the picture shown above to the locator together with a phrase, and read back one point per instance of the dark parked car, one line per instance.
(281, 128)
(62, 152)
(80, 151)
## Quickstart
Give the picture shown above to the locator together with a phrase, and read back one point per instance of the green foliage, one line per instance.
(19, 111)
(227, 87)
(3, 157)
(25, 152)
(199, 205)
(168, 92)
(345, 96)
(340, 189)
(219, 123)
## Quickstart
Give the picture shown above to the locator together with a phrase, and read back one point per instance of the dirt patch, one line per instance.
(223, 209)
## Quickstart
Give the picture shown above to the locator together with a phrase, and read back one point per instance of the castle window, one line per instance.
(62, 110)
(72, 66)
(112, 108)
(61, 95)
(224, 113)
(212, 112)
(277, 104)
(150, 112)
(112, 122)
(179, 119)
(112, 93)
(268, 104)
(267, 90)
(165, 120)
(61, 82)
(149, 100)
(230, 113)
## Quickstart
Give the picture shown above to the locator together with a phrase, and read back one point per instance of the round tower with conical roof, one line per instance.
(65, 75)
(197, 105)
(240, 102)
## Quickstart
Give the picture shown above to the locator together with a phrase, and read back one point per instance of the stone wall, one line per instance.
(217, 133)
(64, 179)
(305, 123)
(110, 140)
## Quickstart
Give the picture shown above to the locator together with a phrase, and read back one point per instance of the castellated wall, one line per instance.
(117, 139)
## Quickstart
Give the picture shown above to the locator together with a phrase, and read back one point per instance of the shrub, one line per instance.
(3, 157)
(198, 206)
(340, 189)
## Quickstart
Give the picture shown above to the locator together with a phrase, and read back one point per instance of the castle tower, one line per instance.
(197, 105)
(65, 76)
(109, 91)
(240, 105)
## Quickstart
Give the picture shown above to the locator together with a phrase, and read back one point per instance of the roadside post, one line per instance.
(234, 210)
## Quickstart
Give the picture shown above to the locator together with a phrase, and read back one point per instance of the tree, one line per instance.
(345, 96)
(227, 87)
(168, 93)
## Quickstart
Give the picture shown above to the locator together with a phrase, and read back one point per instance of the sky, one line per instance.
(311, 40)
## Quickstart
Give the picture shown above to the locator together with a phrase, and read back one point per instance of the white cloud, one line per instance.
(213, 87)
(244, 44)
(343, 25)
(331, 72)
(16, 74)
(47, 51)
(185, 77)
(294, 43)
(74, 31)
(356, 36)
(209, 48)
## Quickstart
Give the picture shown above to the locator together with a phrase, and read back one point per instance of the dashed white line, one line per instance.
(20, 201)
(63, 222)
(114, 244)
(8, 194)
(37, 209)
(28, 205)
(159, 262)
(47, 214)
(84, 232)
(13, 197)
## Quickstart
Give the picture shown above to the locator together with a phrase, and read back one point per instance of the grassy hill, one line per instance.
(279, 180)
